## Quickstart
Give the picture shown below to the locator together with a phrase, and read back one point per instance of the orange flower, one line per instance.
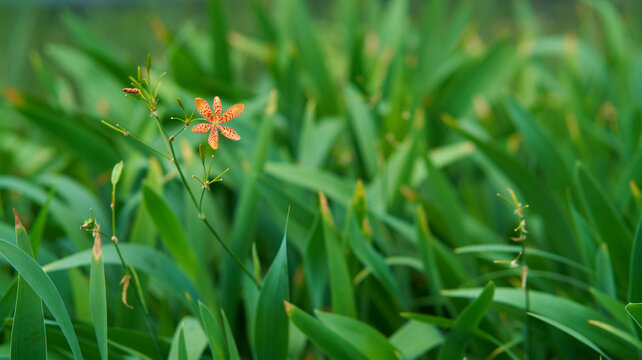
(215, 119)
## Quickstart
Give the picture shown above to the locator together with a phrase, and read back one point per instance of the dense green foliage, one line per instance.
(361, 200)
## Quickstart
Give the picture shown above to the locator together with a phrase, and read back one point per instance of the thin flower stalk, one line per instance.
(520, 261)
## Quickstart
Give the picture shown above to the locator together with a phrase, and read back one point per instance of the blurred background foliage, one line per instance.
(436, 106)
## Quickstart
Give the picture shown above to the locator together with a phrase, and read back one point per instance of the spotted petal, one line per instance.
(217, 106)
(231, 113)
(213, 139)
(202, 128)
(205, 109)
(229, 133)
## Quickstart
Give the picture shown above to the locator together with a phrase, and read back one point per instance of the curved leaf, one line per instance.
(271, 322)
(466, 323)
(42, 285)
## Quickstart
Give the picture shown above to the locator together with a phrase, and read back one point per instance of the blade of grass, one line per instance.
(362, 336)
(571, 332)
(271, 322)
(608, 223)
(466, 323)
(341, 288)
(231, 343)
(214, 332)
(415, 338)
(98, 296)
(28, 339)
(334, 345)
(194, 340)
(44, 288)
(570, 314)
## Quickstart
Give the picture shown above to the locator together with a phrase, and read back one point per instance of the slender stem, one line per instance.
(146, 314)
(138, 291)
(178, 132)
(113, 210)
(527, 300)
(165, 137)
(200, 202)
(128, 134)
(201, 215)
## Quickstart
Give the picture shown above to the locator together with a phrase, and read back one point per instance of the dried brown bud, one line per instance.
(125, 282)
(131, 90)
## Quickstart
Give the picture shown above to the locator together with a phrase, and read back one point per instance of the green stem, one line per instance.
(128, 134)
(165, 137)
(146, 314)
(200, 202)
(138, 291)
(113, 210)
(201, 215)
(527, 302)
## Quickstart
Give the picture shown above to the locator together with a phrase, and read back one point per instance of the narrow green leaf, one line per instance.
(635, 311)
(28, 339)
(340, 280)
(426, 246)
(613, 306)
(8, 301)
(361, 335)
(271, 322)
(608, 223)
(515, 249)
(415, 338)
(569, 313)
(38, 228)
(316, 264)
(363, 128)
(466, 323)
(182, 347)
(33, 274)
(571, 332)
(604, 271)
(229, 335)
(98, 296)
(625, 335)
(194, 340)
(370, 258)
(635, 275)
(334, 345)
(214, 333)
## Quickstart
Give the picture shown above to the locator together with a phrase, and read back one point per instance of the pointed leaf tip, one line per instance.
(288, 307)
(18, 222)
(325, 208)
(98, 247)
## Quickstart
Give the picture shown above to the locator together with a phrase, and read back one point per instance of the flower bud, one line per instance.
(116, 172)
(149, 61)
(131, 90)
(201, 153)
(140, 75)
(180, 103)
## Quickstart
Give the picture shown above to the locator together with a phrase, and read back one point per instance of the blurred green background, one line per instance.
(436, 106)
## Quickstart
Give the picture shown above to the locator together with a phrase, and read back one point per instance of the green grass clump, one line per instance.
(357, 217)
